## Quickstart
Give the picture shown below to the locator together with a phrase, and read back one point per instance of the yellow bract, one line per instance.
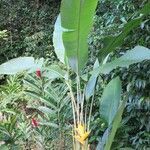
(81, 134)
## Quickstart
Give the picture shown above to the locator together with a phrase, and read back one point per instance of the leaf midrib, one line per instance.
(78, 37)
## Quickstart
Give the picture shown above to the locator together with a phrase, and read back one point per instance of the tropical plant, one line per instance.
(51, 102)
(70, 41)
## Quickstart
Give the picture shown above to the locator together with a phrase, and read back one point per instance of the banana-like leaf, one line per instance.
(115, 125)
(138, 54)
(17, 65)
(92, 82)
(108, 136)
(112, 42)
(57, 40)
(110, 100)
(76, 21)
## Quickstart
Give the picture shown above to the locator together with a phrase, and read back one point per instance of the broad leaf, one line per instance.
(91, 83)
(110, 100)
(115, 125)
(57, 40)
(17, 65)
(76, 22)
(138, 54)
(112, 42)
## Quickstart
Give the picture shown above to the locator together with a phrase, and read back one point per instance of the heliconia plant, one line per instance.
(71, 31)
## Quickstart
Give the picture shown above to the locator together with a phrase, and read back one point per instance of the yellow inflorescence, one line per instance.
(81, 134)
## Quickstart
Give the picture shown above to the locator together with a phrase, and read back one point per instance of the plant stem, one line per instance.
(74, 107)
(82, 104)
(78, 98)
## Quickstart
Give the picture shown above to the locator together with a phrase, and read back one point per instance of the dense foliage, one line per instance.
(29, 26)
(109, 20)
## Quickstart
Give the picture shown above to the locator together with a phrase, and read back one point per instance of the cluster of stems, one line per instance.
(81, 117)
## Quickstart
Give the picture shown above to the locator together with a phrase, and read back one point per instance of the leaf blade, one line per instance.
(17, 65)
(112, 42)
(110, 100)
(76, 19)
(136, 55)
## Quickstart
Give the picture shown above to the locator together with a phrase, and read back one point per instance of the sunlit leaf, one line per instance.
(17, 65)
(76, 22)
(57, 40)
(138, 54)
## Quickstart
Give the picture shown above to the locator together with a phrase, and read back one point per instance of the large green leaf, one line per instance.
(138, 54)
(57, 40)
(112, 42)
(110, 100)
(76, 22)
(115, 125)
(17, 65)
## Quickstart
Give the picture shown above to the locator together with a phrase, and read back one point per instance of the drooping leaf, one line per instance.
(110, 100)
(17, 65)
(138, 54)
(115, 41)
(112, 42)
(92, 81)
(76, 22)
